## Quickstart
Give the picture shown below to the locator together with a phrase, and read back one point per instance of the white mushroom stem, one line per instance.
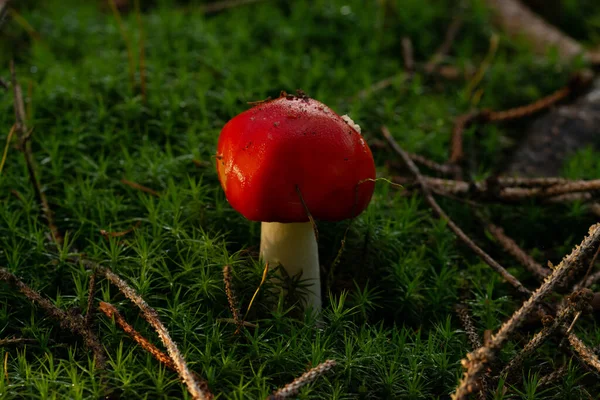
(294, 246)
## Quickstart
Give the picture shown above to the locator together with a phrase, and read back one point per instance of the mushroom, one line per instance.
(288, 159)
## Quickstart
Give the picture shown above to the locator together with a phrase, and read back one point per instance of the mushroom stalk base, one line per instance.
(294, 246)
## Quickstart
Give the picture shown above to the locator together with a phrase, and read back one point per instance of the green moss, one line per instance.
(389, 320)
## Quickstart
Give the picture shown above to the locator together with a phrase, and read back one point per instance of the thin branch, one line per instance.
(408, 55)
(442, 214)
(518, 20)
(477, 360)
(89, 315)
(585, 353)
(111, 312)
(194, 387)
(231, 298)
(15, 341)
(513, 249)
(125, 37)
(446, 45)
(140, 187)
(23, 136)
(292, 389)
(67, 321)
(467, 323)
(539, 339)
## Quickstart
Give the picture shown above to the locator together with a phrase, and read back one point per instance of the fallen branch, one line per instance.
(513, 249)
(518, 20)
(291, 389)
(140, 187)
(67, 321)
(196, 389)
(442, 214)
(575, 305)
(477, 360)
(231, 298)
(576, 84)
(23, 135)
(111, 312)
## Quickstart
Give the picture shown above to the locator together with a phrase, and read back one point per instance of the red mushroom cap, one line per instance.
(269, 152)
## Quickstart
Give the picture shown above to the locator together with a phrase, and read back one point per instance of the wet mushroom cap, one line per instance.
(264, 153)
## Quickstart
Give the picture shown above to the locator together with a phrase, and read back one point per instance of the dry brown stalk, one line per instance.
(291, 389)
(140, 187)
(585, 353)
(446, 45)
(196, 389)
(477, 360)
(408, 55)
(578, 82)
(23, 135)
(518, 20)
(553, 377)
(111, 312)
(511, 247)
(444, 169)
(442, 214)
(67, 321)
(233, 304)
(89, 315)
(539, 338)
(551, 191)
(467, 323)
(125, 37)
(142, 59)
(108, 234)
(15, 341)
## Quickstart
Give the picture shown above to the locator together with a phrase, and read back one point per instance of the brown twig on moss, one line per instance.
(467, 324)
(476, 361)
(552, 325)
(15, 341)
(511, 247)
(446, 46)
(23, 136)
(408, 55)
(585, 353)
(231, 298)
(111, 312)
(292, 388)
(108, 234)
(195, 388)
(73, 323)
(442, 214)
(140, 187)
(578, 82)
(518, 20)
(89, 315)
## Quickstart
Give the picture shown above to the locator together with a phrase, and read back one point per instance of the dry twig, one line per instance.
(111, 312)
(455, 228)
(67, 321)
(291, 389)
(140, 187)
(477, 360)
(467, 323)
(519, 20)
(233, 304)
(196, 389)
(513, 249)
(23, 136)
(15, 341)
